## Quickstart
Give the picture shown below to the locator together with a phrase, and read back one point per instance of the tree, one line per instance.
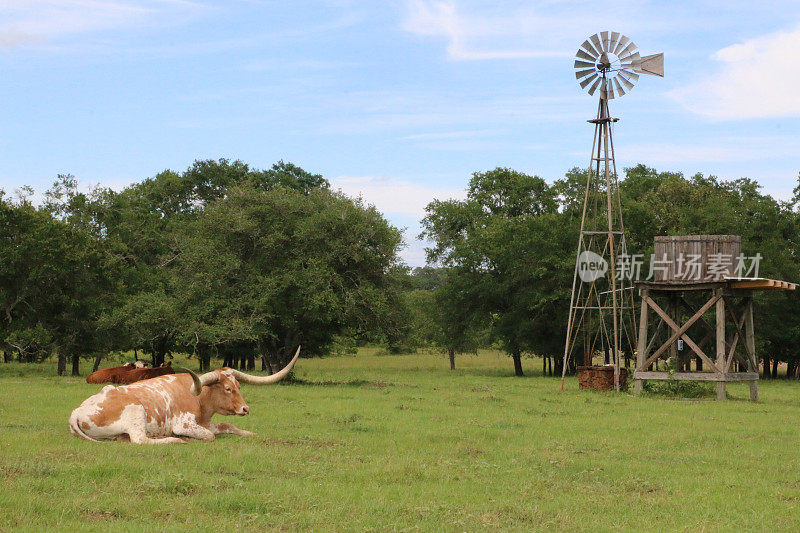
(282, 267)
(54, 286)
(504, 246)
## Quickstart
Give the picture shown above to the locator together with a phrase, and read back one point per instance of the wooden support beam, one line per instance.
(654, 338)
(720, 315)
(750, 344)
(696, 376)
(641, 350)
(680, 332)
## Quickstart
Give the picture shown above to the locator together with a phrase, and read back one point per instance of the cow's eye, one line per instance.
(227, 389)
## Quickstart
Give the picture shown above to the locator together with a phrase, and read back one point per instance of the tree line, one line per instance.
(225, 261)
(218, 261)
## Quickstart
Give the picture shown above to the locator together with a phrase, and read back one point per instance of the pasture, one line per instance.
(402, 443)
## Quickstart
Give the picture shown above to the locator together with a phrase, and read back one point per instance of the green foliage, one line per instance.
(54, 285)
(284, 267)
(506, 248)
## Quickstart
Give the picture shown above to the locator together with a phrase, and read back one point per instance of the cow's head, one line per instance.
(220, 387)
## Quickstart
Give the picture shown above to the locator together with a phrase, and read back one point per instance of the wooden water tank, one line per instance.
(695, 258)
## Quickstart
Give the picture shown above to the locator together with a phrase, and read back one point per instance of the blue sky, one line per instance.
(399, 101)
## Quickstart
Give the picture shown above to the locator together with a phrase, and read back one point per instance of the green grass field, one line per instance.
(403, 443)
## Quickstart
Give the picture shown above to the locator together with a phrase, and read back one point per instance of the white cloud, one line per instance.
(402, 202)
(392, 196)
(35, 21)
(758, 78)
(465, 35)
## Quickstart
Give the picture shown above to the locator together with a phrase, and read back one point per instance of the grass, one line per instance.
(402, 443)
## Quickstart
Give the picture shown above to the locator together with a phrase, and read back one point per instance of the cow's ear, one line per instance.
(169, 363)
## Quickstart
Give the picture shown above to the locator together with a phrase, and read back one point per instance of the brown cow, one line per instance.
(138, 374)
(162, 409)
(110, 375)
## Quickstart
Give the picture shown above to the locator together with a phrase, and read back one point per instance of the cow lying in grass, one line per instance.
(109, 375)
(161, 410)
(138, 374)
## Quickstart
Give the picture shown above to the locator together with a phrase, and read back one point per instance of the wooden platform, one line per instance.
(726, 283)
(733, 335)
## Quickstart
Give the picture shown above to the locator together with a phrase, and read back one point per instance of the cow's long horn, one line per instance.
(267, 380)
(201, 381)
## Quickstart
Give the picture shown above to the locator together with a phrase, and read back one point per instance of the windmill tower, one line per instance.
(601, 306)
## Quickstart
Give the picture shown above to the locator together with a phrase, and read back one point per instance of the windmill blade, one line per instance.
(604, 39)
(624, 81)
(622, 42)
(583, 64)
(596, 41)
(588, 80)
(620, 90)
(613, 42)
(593, 88)
(653, 65)
(631, 48)
(629, 60)
(629, 74)
(582, 73)
(590, 49)
(583, 55)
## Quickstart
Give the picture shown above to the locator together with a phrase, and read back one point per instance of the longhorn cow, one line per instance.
(161, 410)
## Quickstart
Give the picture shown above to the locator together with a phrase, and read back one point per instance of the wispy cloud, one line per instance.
(443, 19)
(758, 78)
(37, 21)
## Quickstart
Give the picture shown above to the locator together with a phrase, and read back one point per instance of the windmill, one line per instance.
(601, 306)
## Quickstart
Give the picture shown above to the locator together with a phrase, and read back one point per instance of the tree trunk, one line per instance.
(62, 364)
(517, 363)
(765, 361)
(7, 357)
(606, 355)
(451, 353)
(97, 363)
(774, 368)
(76, 361)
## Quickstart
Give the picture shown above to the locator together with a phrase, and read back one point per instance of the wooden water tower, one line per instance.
(694, 276)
